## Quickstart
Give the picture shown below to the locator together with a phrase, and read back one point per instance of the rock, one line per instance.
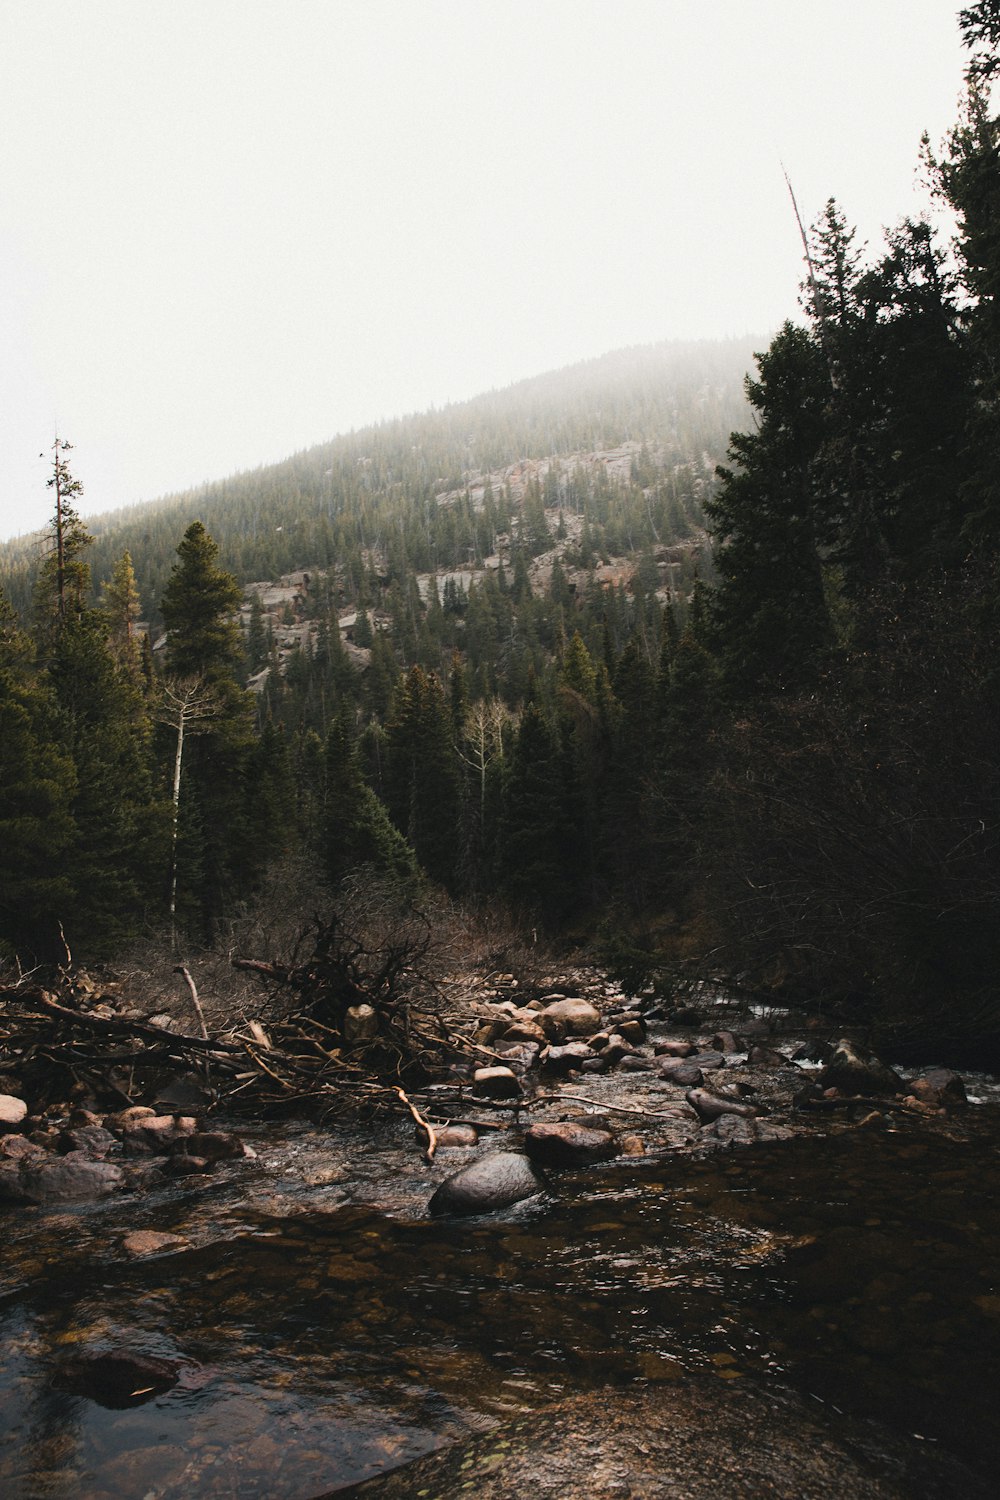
(93, 1139)
(562, 1059)
(155, 1134)
(940, 1086)
(710, 1106)
(724, 1041)
(674, 1049)
(12, 1112)
(360, 1025)
(524, 1031)
(48, 1180)
(731, 1130)
(188, 1166)
(13, 1147)
(183, 1095)
(813, 1051)
(632, 1030)
(685, 1015)
(564, 1018)
(150, 1242)
(593, 1065)
(633, 1145)
(851, 1072)
(496, 1083)
(709, 1060)
(567, 1144)
(126, 1117)
(699, 1438)
(680, 1072)
(767, 1057)
(213, 1145)
(633, 1062)
(520, 1058)
(495, 1181)
(117, 1378)
(453, 1135)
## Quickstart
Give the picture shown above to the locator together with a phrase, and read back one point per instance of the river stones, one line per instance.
(852, 1072)
(493, 1182)
(940, 1086)
(760, 1056)
(680, 1071)
(449, 1136)
(565, 1143)
(561, 1060)
(569, 1017)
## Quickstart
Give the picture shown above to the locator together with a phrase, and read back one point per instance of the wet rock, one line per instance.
(593, 1065)
(47, 1180)
(126, 1117)
(814, 1051)
(520, 1058)
(13, 1147)
(767, 1057)
(569, 1017)
(710, 1060)
(155, 1134)
(496, 1083)
(360, 1025)
(93, 1139)
(493, 1182)
(940, 1086)
(453, 1135)
(632, 1030)
(634, 1062)
(724, 1041)
(562, 1060)
(151, 1242)
(117, 1378)
(709, 1107)
(12, 1112)
(213, 1145)
(685, 1015)
(681, 1072)
(674, 1049)
(731, 1130)
(633, 1145)
(852, 1072)
(188, 1166)
(565, 1143)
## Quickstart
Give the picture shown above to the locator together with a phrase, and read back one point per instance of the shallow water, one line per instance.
(324, 1339)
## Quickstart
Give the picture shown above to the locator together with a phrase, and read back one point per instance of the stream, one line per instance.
(326, 1329)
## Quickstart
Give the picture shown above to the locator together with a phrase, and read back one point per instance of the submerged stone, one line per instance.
(495, 1181)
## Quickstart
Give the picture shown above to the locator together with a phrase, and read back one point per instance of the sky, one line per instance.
(231, 229)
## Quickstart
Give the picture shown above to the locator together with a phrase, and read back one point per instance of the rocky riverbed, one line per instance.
(705, 1200)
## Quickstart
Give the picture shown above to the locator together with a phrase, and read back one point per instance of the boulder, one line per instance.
(565, 1143)
(633, 1030)
(521, 1057)
(710, 1060)
(852, 1072)
(768, 1057)
(48, 1180)
(155, 1134)
(213, 1145)
(93, 1139)
(674, 1049)
(495, 1181)
(452, 1135)
(569, 1017)
(724, 1041)
(12, 1112)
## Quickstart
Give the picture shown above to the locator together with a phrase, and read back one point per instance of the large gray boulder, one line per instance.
(569, 1017)
(495, 1181)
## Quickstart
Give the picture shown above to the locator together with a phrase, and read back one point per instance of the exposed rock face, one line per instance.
(495, 1181)
(565, 1143)
(851, 1072)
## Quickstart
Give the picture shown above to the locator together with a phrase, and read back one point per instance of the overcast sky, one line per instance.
(230, 229)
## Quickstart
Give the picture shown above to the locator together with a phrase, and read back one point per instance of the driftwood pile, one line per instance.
(353, 1025)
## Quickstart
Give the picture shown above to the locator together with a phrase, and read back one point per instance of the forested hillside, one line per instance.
(551, 651)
